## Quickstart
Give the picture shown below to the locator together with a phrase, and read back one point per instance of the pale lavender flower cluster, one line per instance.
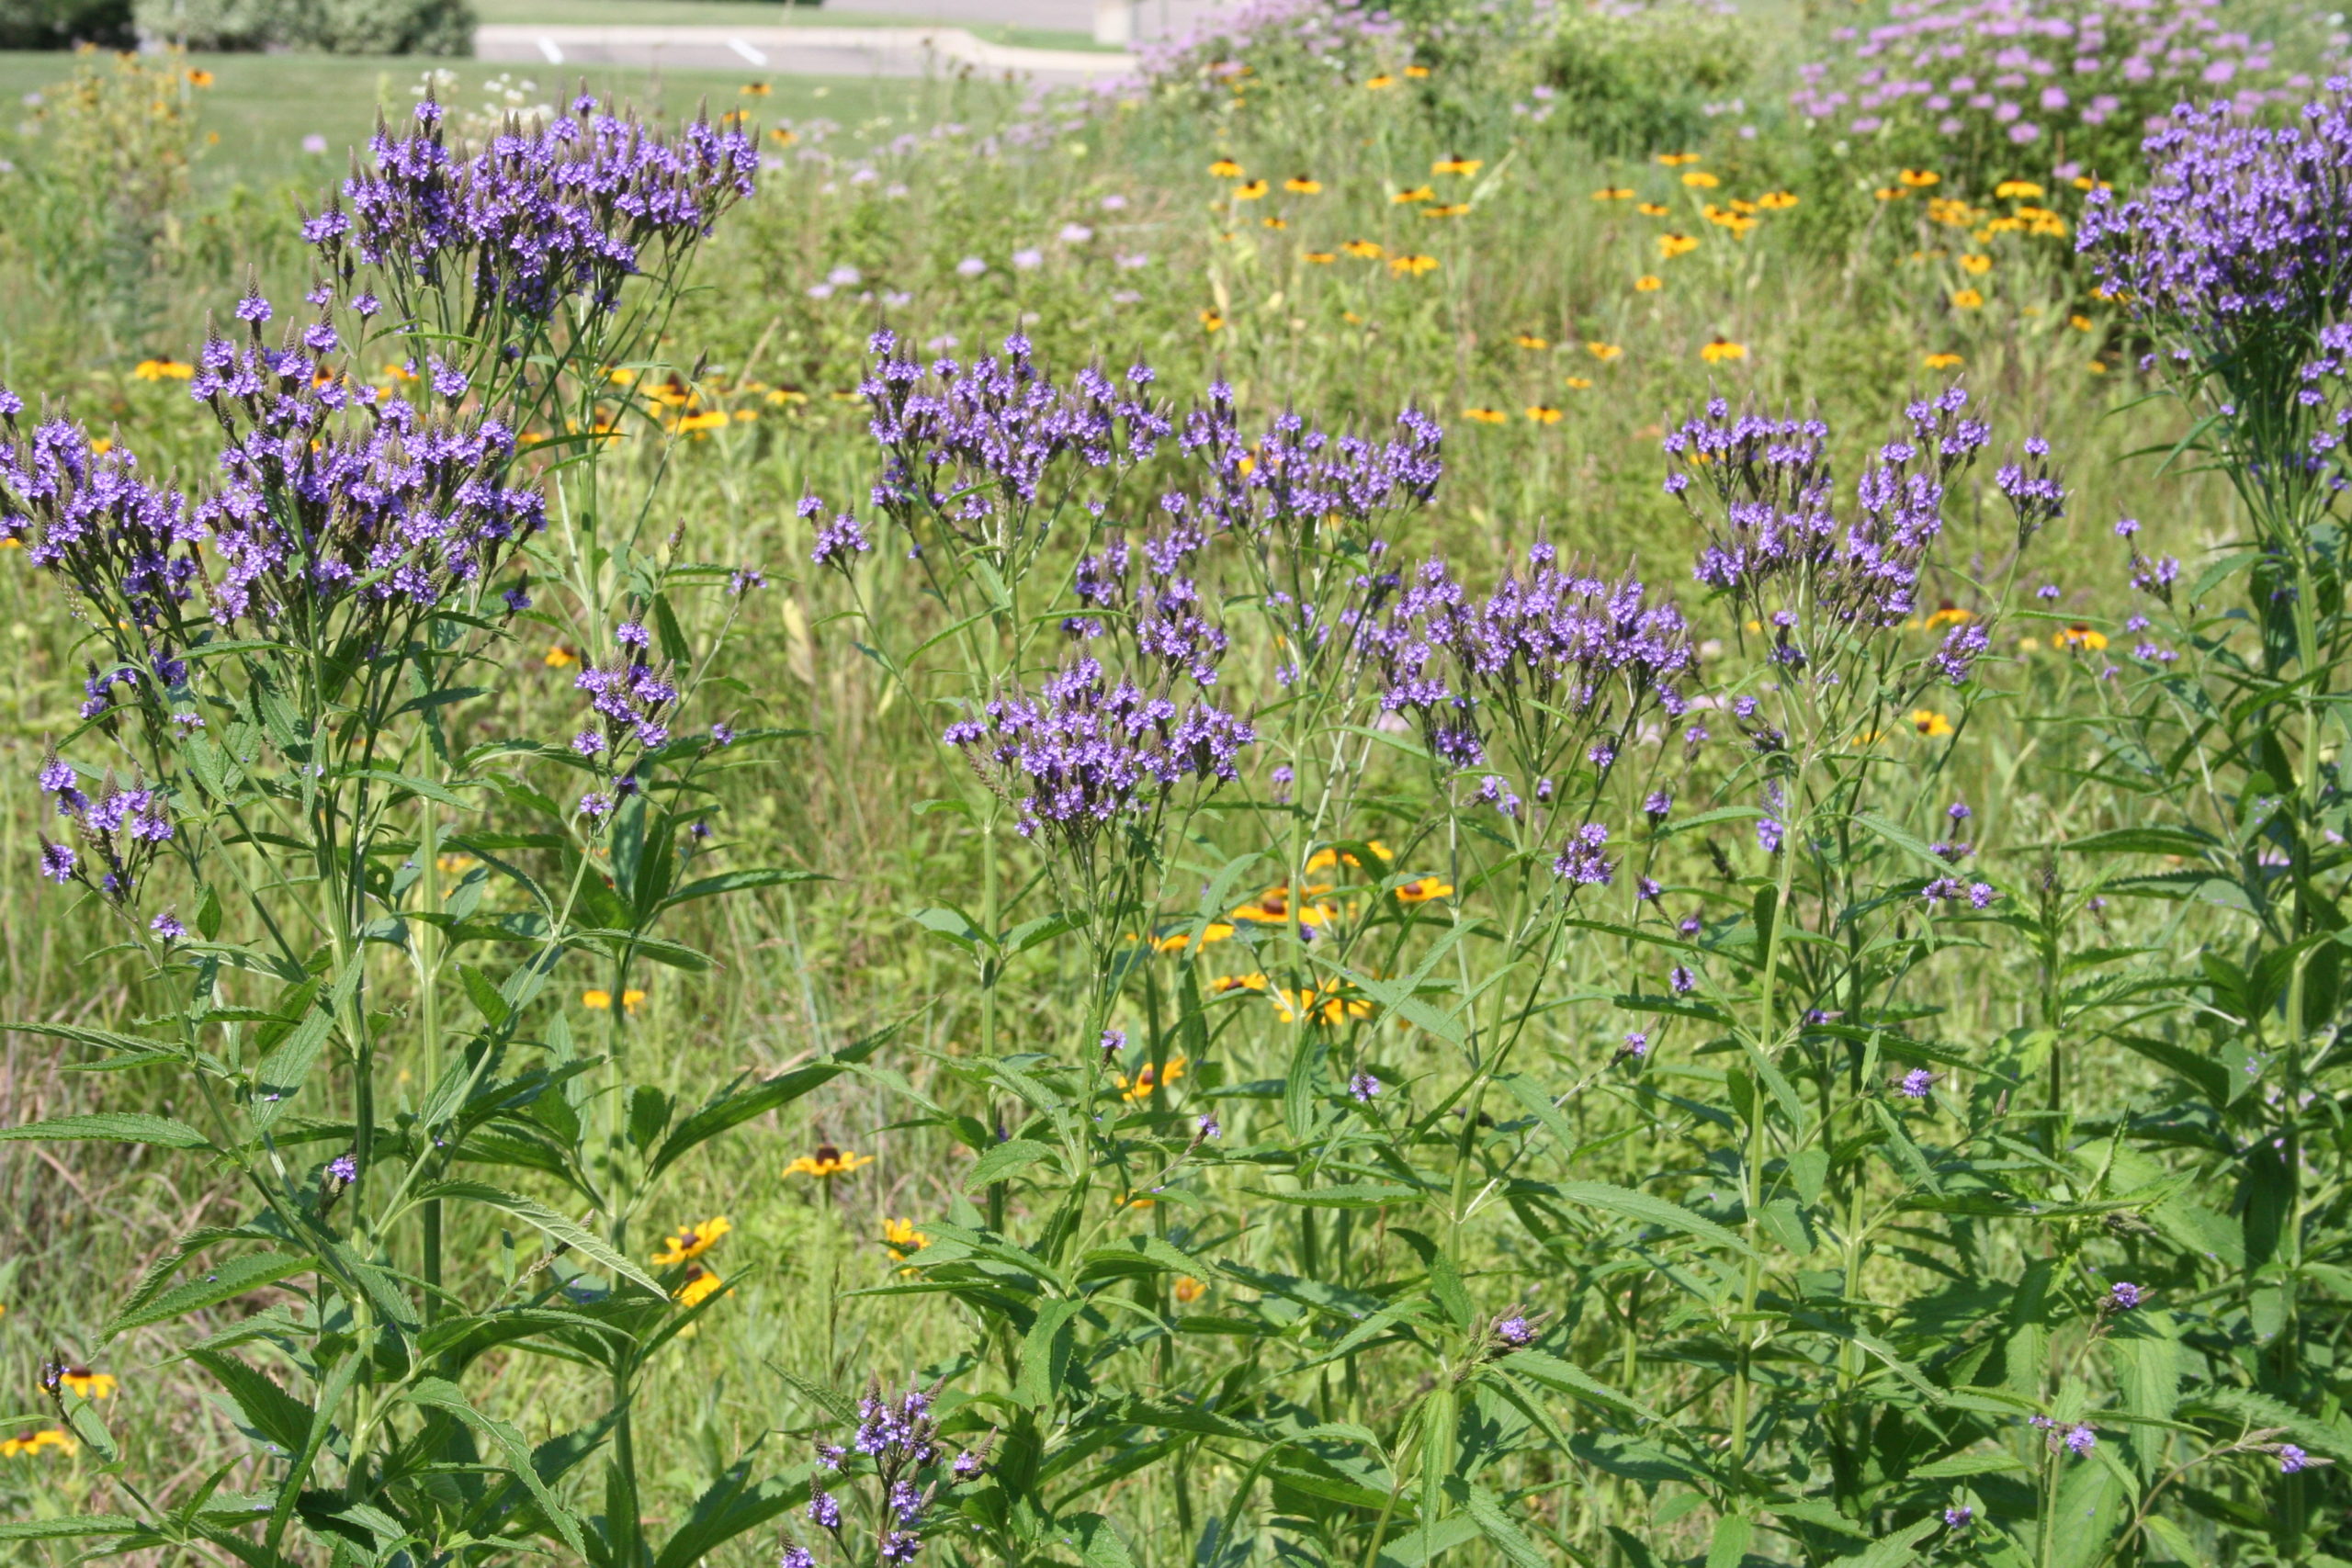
(332, 493)
(2048, 84)
(1087, 751)
(1534, 668)
(972, 446)
(121, 829)
(1291, 480)
(899, 1439)
(635, 705)
(545, 212)
(2243, 234)
(1143, 594)
(127, 547)
(1779, 552)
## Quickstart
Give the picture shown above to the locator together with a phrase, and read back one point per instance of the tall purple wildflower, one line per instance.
(1535, 669)
(1087, 751)
(539, 215)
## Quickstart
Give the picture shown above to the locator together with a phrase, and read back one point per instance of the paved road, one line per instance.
(934, 36)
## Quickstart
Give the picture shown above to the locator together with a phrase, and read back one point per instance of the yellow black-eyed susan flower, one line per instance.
(1215, 930)
(1579, 383)
(1226, 169)
(1931, 724)
(557, 656)
(1446, 210)
(602, 1001)
(1275, 223)
(1303, 185)
(1319, 258)
(1967, 299)
(1145, 1081)
(901, 1240)
(1648, 283)
(1531, 341)
(2082, 635)
(1919, 179)
(1652, 210)
(1411, 267)
(828, 1162)
(1379, 83)
(1187, 1290)
(1721, 350)
(1943, 361)
(1487, 415)
(1225, 982)
(1327, 1003)
(49, 1440)
(691, 1241)
(1418, 73)
(1777, 200)
(1542, 413)
(784, 136)
(84, 1383)
(1672, 245)
(699, 1285)
(1604, 351)
(1976, 265)
(1457, 164)
(1699, 179)
(1365, 250)
(1418, 193)
(755, 89)
(1613, 193)
(1325, 860)
(1675, 160)
(1422, 889)
(1211, 322)
(2080, 324)
(163, 370)
(199, 77)
(1250, 190)
(2017, 190)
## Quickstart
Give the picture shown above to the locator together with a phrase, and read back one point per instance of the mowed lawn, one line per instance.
(261, 107)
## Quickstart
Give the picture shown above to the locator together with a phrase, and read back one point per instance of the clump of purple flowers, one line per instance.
(1088, 752)
(2242, 233)
(1981, 89)
(896, 1441)
(539, 215)
(1553, 663)
(1779, 552)
(122, 829)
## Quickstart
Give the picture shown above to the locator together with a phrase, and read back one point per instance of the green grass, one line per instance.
(261, 106)
(1833, 314)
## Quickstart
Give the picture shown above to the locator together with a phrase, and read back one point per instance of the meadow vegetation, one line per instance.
(1501, 784)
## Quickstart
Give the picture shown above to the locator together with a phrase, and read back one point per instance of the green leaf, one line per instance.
(274, 1415)
(1729, 1543)
(438, 1394)
(725, 1510)
(1046, 1353)
(1002, 1161)
(1645, 1208)
(1097, 1544)
(738, 1106)
(72, 1526)
(1487, 1511)
(735, 882)
(111, 1126)
(231, 1278)
(1895, 1551)
(288, 1066)
(1567, 1377)
(103, 1039)
(556, 1227)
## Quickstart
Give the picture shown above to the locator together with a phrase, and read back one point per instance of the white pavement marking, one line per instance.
(756, 56)
(552, 51)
